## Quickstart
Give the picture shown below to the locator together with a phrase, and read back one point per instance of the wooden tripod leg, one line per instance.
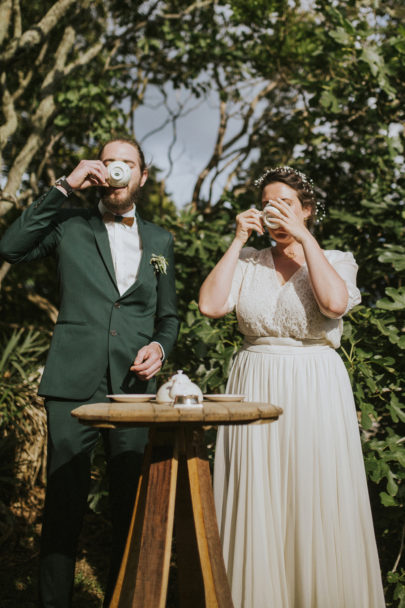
(189, 576)
(216, 586)
(144, 572)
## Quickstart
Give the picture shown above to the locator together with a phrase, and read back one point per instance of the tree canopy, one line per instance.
(317, 85)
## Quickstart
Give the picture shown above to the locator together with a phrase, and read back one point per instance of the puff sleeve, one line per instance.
(238, 275)
(345, 265)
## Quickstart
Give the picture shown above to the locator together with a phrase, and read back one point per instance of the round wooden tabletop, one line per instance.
(149, 413)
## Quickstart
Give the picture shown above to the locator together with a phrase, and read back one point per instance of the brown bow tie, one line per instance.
(111, 217)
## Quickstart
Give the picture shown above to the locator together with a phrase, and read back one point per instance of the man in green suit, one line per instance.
(117, 322)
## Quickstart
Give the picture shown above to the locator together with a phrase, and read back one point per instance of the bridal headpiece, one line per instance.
(307, 185)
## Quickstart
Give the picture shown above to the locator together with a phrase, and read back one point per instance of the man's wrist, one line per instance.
(161, 349)
(63, 185)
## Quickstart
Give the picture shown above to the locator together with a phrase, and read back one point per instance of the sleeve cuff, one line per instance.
(161, 348)
(61, 189)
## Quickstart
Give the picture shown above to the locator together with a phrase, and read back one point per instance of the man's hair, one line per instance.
(127, 140)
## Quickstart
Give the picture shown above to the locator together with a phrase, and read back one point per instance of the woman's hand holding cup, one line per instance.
(269, 216)
(246, 222)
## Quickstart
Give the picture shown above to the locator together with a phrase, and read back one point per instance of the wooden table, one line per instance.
(175, 487)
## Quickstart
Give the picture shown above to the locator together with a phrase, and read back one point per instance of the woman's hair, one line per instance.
(131, 142)
(296, 180)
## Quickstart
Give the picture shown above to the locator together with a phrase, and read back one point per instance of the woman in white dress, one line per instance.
(291, 496)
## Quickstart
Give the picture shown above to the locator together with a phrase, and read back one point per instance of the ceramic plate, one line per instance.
(225, 397)
(127, 398)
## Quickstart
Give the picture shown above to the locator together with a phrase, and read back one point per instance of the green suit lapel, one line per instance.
(103, 243)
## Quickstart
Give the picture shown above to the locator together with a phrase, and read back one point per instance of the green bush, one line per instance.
(22, 419)
(372, 348)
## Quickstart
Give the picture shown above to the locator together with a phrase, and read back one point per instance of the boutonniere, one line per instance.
(159, 263)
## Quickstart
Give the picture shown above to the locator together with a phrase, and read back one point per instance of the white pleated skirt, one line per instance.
(291, 496)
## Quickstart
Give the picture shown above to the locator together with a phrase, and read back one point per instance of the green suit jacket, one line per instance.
(97, 329)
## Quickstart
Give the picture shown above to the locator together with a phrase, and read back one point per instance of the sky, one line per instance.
(196, 133)
(195, 139)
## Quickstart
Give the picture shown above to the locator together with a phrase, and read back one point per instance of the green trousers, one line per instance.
(69, 451)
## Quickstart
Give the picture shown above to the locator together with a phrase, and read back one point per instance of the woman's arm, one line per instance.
(328, 287)
(215, 290)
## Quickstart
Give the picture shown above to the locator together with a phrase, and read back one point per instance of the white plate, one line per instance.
(225, 397)
(135, 398)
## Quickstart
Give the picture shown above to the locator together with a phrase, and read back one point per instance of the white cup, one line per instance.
(119, 174)
(268, 218)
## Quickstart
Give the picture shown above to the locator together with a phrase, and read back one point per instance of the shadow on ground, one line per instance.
(19, 561)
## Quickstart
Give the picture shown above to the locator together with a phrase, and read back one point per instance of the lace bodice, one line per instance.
(264, 307)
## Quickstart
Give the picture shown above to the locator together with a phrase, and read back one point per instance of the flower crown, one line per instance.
(307, 185)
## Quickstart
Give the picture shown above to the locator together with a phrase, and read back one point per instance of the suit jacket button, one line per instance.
(117, 305)
(113, 332)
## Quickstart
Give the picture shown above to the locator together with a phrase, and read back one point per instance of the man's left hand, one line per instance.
(148, 361)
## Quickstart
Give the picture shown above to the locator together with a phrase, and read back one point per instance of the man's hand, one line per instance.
(88, 173)
(148, 361)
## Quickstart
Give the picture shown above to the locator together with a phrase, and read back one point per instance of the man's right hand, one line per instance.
(88, 173)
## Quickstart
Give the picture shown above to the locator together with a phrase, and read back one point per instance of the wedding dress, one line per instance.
(291, 496)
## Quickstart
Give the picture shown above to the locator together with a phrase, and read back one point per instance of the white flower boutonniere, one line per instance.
(159, 263)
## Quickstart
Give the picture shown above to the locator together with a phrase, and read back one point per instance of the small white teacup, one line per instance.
(268, 218)
(119, 174)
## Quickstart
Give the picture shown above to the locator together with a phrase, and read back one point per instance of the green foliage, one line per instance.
(373, 356)
(372, 349)
(335, 111)
(345, 131)
(22, 354)
(205, 347)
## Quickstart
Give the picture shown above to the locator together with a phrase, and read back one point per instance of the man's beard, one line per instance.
(123, 204)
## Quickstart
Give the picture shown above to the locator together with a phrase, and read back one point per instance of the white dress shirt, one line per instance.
(126, 251)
